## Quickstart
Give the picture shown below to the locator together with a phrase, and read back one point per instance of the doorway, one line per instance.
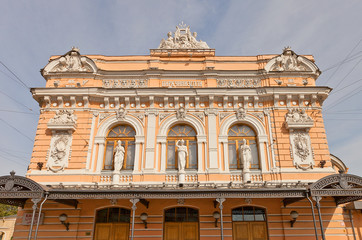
(112, 224)
(249, 223)
(181, 223)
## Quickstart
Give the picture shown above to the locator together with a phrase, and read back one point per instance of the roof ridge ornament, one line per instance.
(182, 38)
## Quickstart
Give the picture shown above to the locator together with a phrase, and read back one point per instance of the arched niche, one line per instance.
(256, 125)
(108, 124)
(171, 121)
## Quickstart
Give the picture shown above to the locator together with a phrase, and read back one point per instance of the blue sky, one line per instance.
(32, 31)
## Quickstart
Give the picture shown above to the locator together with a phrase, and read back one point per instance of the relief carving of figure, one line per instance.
(288, 61)
(245, 156)
(181, 154)
(241, 113)
(301, 146)
(181, 113)
(73, 62)
(64, 117)
(59, 152)
(297, 115)
(118, 156)
(121, 113)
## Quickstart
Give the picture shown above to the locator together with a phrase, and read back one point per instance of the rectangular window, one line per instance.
(130, 155)
(233, 160)
(192, 155)
(108, 162)
(171, 163)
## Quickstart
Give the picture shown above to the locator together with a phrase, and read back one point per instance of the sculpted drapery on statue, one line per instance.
(181, 154)
(183, 39)
(245, 156)
(119, 156)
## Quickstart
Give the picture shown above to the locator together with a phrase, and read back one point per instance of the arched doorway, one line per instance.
(181, 223)
(112, 224)
(249, 223)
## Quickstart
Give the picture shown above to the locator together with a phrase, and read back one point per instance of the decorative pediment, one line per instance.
(70, 62)
(63, 120)
(297, 118)
(289, 61)
(343, 187)
(182, 38)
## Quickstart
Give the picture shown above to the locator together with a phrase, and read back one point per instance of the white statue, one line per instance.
(245, 156)
(181, 154)
(119, 156)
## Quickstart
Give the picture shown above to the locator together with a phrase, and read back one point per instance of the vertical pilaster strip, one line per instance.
(150, 141)
(212, 139)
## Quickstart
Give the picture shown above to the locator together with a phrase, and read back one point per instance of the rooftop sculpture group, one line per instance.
(182, 39)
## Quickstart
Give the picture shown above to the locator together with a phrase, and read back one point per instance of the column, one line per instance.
(101, 145)
(221, 207)
(162, 152)
(138, 142)
(134, 207)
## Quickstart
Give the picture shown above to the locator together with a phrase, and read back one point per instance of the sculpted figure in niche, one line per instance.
(118, 156)
(245, 156)
(181, 154)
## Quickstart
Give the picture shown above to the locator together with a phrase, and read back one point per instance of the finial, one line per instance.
(12, 173)
(287, 48)
(75, 49)
(182, 24)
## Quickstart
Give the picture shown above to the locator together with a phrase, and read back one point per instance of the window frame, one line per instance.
(187, 140)
(238, 141)
(125, 143)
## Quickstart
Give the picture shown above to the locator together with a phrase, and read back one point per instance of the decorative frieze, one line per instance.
(125, 83)
(238, 82)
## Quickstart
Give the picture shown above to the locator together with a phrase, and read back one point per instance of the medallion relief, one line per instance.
(59, 152)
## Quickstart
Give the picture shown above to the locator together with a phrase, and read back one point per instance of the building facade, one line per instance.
(183, 144)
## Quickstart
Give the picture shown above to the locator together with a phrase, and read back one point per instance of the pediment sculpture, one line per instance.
(182, 38)
(298, 118)
(72, 61)
(289, 61)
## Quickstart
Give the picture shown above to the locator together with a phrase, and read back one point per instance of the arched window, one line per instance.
(249, 223)
(236, 134)
(126, 135)
(188, 134)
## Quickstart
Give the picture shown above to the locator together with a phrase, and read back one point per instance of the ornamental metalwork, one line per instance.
(238, 82)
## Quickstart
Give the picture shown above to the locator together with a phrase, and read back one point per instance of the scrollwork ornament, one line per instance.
(59, 151)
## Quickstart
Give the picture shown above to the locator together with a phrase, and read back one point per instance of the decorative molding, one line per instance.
(259, 115)
(125, 83)
(63, 120)
(301, 150)
(297, 118)
(59, 151)
(182, 39)
(241, 114)
(199, 115)
(103, 116)
(238, 82)
(181, 113)
(121, 113)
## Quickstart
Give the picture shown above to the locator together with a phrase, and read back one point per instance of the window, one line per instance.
(188, 134)
(236, 134)
(182, 214)
(248, 214)
(113, 215)
(126, 135)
